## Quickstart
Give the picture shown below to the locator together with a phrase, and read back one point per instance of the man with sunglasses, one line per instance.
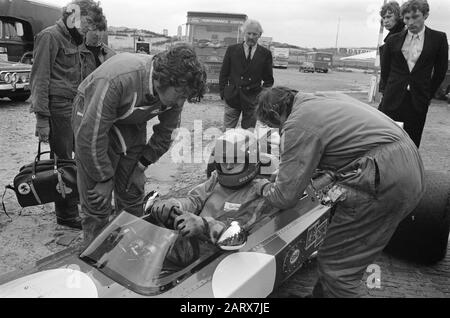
(110, 117)
(58, 69)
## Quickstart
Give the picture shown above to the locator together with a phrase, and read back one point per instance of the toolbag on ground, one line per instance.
(44, 181)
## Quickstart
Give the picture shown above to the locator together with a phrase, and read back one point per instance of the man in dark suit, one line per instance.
(244, 67)
(414, 64)
(393, 22)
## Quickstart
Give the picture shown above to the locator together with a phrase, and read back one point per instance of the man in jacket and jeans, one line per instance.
(56, 73)
(110, 117)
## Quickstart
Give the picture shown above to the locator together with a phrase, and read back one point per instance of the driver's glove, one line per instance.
(165, 211)
(191, 225)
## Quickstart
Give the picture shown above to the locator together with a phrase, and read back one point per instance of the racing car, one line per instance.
(133, 257)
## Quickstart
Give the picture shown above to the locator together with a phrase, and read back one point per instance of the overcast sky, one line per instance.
(310, 23)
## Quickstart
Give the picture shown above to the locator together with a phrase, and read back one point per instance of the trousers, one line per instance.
(387, 187)
(61, 142)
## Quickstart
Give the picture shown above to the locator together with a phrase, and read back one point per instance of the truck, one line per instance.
(20, 22)
(319, 62)
(280, 56)
(210, 34)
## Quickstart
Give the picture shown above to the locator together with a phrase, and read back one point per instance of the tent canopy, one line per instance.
(361, 57)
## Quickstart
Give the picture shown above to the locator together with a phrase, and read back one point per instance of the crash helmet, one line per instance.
(240, 147)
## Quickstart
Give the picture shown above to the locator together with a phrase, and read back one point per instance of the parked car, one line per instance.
(307, 67)
(15, 80)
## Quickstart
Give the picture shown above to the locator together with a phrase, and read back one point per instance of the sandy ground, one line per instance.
(32, 233)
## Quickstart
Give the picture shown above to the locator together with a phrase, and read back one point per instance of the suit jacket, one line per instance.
(399, 27)
(240, 82)
(424, 79)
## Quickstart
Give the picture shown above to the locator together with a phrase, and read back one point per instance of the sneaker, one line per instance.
(72, 223)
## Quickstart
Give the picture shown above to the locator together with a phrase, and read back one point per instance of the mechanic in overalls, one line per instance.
(110, 117)
(377, 171)
(228, 195)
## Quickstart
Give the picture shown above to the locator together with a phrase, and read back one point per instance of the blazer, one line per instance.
(239, 82)
(399, 27)
(424, 79)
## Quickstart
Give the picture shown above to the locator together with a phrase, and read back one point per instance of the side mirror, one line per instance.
(149, 199)
(233, 238)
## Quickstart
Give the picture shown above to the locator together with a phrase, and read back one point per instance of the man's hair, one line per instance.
(249, 22)
(88, 8)
(415, 5)
(180, 68)
(272, 102)
(392, 7)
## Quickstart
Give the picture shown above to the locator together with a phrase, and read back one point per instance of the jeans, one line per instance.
(61, 142)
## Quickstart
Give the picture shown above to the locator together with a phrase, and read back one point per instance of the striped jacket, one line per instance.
(118, 96)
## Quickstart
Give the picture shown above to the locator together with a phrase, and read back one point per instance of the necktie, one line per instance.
(414, 51)
(249, 56)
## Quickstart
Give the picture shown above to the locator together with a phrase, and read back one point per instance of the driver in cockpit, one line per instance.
(228, 195)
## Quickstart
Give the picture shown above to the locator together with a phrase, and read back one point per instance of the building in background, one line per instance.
(265, 41)
(211, 33)
(280, 56)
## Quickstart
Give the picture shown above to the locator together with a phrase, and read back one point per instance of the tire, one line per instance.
(423, 236)
(20, 98)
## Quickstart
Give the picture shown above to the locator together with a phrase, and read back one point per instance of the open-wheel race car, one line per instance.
(133, 257)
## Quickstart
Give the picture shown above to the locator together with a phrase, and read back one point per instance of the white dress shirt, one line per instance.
(413, 47)
(246, 48)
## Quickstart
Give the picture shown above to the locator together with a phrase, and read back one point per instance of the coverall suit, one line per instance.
(377, 166)
(109, 118)
(219, 206)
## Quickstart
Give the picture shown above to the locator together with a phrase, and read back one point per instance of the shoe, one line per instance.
(72, 223)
